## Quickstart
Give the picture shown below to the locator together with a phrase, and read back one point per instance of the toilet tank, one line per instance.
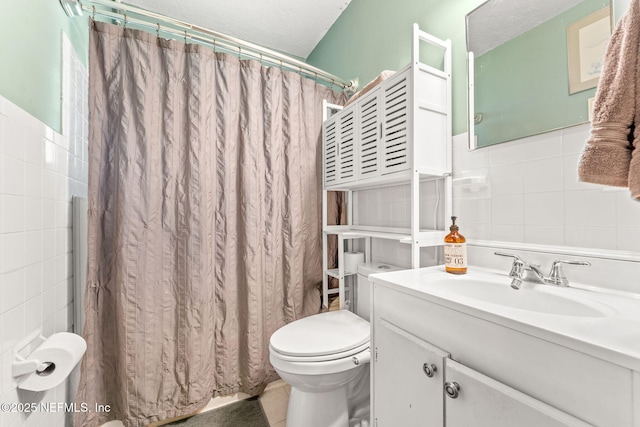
(362, 297)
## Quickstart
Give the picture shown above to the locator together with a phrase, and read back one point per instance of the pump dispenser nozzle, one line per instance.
(453, 227)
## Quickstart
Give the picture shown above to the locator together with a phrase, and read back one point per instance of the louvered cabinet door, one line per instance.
(347, 146)
(340, 149)
(330, 152)
(396, 124)
(369, 132)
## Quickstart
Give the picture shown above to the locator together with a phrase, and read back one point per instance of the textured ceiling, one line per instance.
(290, 26)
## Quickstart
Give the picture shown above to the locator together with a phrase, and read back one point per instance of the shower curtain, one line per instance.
(204, 222)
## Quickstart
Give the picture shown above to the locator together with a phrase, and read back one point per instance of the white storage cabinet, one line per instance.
(399, 132)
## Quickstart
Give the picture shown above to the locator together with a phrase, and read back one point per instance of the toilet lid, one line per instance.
(321, 334)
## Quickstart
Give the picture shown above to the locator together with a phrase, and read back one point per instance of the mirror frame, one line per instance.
(471, 111)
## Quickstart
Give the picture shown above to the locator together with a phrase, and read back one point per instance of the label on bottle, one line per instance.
(455, 255)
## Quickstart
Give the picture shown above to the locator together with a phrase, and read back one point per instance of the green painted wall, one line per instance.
(31, 55)
(370, 36)
(375, 35)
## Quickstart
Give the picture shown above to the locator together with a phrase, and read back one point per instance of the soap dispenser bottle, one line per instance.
(455, 250)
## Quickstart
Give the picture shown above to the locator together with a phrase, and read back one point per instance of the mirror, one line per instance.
(526, 76)
(527, 191)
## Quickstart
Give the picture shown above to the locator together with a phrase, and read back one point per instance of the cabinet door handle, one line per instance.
(452, 389)
(429, 369)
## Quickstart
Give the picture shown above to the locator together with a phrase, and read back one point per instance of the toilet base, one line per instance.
(346, 405)
(324, 409)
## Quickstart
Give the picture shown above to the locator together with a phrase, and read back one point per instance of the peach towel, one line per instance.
(373, 83)
(609, 157)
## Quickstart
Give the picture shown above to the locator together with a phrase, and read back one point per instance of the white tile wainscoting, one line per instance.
(533, 195)
(530, 194)
(40, 170)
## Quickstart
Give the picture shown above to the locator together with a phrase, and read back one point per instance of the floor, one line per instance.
(244, 413)
(274, 401)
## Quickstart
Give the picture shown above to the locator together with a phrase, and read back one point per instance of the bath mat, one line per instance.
(245, 413)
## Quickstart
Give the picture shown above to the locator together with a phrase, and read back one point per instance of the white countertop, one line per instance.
(614, 336)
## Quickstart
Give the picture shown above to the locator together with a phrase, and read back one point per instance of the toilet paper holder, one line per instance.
(41, 363)
(22, 366)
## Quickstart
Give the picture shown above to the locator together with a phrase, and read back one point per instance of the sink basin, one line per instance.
(538, 298)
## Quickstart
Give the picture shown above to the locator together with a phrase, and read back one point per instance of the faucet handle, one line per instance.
(518, 263)
(507, 254)
(557, 276)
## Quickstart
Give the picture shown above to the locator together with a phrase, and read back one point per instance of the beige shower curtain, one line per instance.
(204, 222)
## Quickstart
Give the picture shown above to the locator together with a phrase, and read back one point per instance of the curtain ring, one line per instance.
(239, 51)
(125, 20)
(185, 36)
(214, 45)
(93, 15)
(158, 31)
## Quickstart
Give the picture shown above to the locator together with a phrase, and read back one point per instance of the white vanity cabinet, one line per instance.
(504, 377)
(473, 399)
(412, 372)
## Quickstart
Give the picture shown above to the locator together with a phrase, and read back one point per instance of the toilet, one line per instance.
(325, 359)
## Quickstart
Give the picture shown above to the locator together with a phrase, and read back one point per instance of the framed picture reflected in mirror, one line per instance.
(587, 41)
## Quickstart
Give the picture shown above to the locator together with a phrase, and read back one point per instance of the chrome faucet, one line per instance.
(522, 271)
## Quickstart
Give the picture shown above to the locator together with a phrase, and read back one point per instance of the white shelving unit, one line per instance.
(398, 133)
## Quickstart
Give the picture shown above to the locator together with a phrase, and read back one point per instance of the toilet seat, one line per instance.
(325, 367)
(324, 336)
(322, 358)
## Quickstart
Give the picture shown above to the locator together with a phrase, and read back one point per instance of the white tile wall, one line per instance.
(390, 207)
(40, 170)
(535, 196)
(532, 196)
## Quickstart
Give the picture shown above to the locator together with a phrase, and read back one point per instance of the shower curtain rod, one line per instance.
(152, 21)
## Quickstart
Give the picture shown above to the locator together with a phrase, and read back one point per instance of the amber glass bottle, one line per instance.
(455, 250)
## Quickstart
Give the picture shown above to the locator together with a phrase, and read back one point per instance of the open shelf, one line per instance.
(397, 178)
(335, 273)
(427, 238)
(424, 237)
